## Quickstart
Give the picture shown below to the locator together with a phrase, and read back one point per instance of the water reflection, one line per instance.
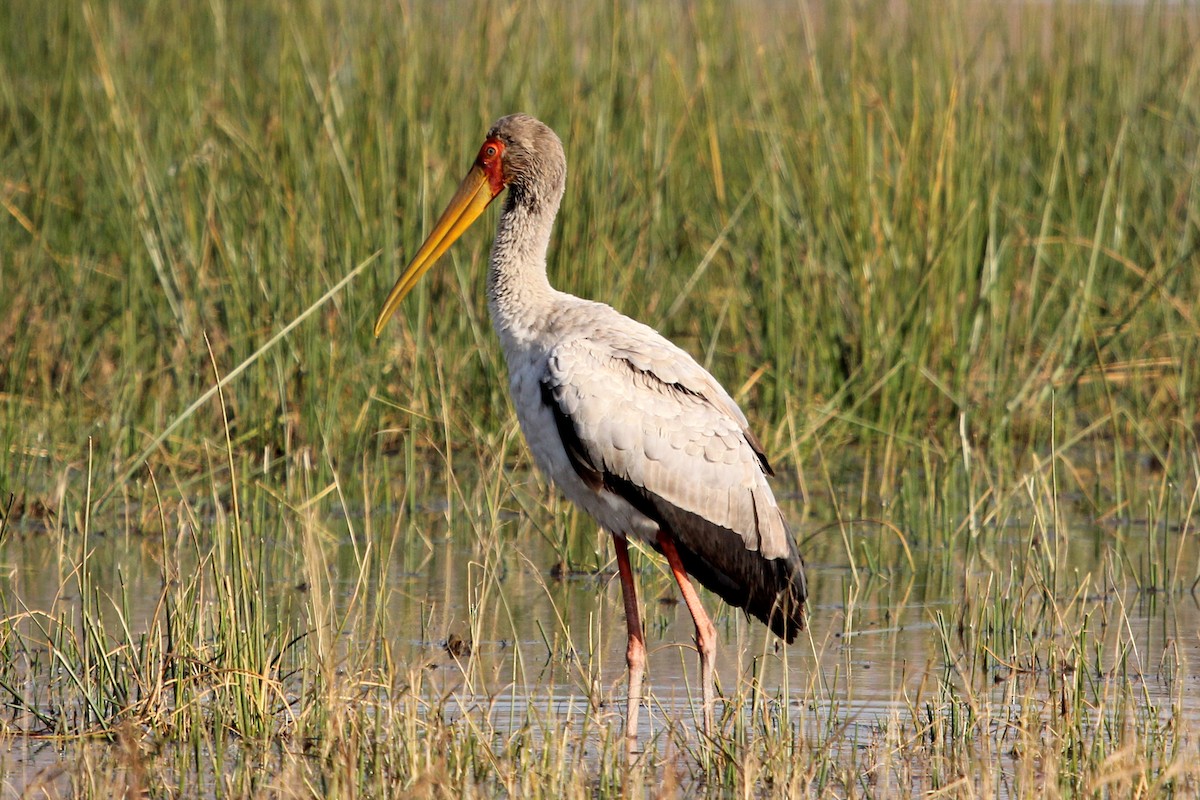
(879, 640)
(497, 630)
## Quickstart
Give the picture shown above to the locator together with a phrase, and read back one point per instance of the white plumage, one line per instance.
(625, 423)
(646, 412)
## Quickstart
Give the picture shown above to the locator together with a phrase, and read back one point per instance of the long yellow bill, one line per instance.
(473, 196)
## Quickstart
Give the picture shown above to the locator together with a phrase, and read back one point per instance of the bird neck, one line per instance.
(519, 293)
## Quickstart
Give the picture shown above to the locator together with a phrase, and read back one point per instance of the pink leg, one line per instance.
(706, 632)
(635, 653)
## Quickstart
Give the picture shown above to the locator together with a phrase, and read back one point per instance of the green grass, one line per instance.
(947, 259)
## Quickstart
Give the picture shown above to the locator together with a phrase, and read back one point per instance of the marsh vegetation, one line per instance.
(946, 257)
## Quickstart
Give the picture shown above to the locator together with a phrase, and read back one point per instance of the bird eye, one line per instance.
(490, 151)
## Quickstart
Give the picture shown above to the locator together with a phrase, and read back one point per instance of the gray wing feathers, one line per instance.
(644, 411)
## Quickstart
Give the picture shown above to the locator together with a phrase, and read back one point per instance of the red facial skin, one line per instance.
(491, 161)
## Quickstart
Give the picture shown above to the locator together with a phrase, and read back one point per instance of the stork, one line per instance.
(626, 424)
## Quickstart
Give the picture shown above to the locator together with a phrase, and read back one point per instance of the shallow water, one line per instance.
(498, 637)
(867, 670)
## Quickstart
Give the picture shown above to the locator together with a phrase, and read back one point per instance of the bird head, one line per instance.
(519, 153)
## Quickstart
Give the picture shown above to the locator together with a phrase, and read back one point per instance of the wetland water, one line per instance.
(1011, 625)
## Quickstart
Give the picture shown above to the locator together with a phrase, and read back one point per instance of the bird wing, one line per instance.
(635, 412)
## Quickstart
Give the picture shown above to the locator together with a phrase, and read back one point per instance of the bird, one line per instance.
(626, 424)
